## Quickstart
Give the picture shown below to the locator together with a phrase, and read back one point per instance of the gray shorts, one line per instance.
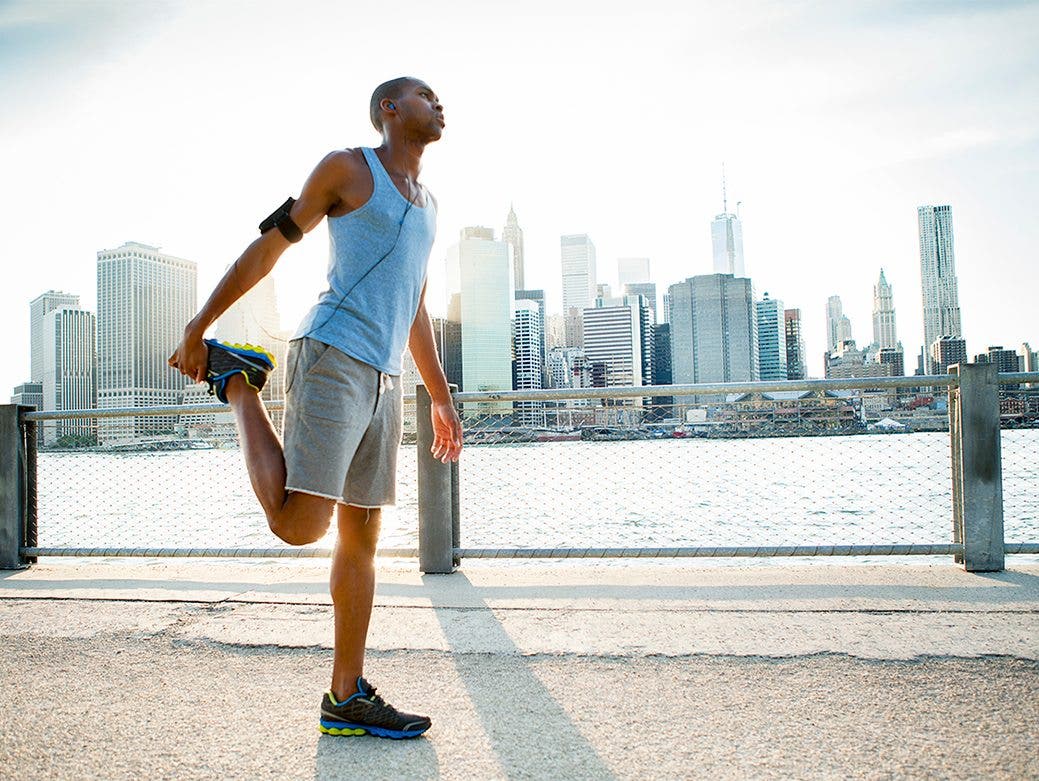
(343, 425)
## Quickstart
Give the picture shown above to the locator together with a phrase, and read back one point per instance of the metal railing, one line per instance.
(590, 473)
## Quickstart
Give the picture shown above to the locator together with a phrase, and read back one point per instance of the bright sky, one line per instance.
(183, 124)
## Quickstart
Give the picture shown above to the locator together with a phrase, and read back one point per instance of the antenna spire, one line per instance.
(725, 197)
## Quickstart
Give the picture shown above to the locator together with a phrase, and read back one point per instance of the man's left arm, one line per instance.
(447, 427)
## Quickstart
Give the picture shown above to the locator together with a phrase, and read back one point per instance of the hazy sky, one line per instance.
(183, 124)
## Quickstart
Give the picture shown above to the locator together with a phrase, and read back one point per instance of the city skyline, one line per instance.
(255, 317)
(823, 116)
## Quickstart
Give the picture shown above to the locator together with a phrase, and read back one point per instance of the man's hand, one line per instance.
(190, 358)
(447, 432)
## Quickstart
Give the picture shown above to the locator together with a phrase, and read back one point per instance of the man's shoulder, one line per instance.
(345, 161)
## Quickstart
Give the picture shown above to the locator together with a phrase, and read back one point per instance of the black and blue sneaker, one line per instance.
(226, 360)
(366, 713)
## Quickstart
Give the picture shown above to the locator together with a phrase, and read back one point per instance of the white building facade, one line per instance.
(614, 334)
(885, 335)
(838, 326)
(254, 319)
(577, 254)
(528, 342)
(513, 236)
(69, 372)
(144, 299)
(632, 271)
(38, 309)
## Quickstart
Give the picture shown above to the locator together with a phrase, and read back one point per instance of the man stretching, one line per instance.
(343, 409)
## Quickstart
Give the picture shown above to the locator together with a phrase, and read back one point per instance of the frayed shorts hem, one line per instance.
(340, 499)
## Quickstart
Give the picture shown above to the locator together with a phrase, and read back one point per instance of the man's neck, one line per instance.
(403, 158)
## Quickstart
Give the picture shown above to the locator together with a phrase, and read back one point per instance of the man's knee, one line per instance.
(358, 531)
(302, 520)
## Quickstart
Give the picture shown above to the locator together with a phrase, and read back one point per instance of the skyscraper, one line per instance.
(617, 333)
(38, 308)
(647, 290)
(538, 297)
(772, 360)
(941, 301)
(838, 326)
(632, 271)
(795, 345)
(479, 280)
(254, 319)
(713, 330)
(512, 235)
(528, 342)
(727, 240)
(579, 288)
(144, 300)
(69, 370)
(885, 336)
(662, 405)
(448, 335)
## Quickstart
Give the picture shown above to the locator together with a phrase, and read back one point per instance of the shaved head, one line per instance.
(391, 90)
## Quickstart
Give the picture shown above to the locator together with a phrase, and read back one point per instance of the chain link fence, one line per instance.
(1019, 445)
(650, 475)
(157, 484)
(747, 473)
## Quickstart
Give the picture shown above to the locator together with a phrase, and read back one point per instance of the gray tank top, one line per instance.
(378, 255)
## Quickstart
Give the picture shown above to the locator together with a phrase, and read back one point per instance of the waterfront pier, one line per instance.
(121, 669)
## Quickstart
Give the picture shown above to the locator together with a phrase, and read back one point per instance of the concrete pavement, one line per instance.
(202, 669)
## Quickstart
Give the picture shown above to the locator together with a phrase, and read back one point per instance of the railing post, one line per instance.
(14, 491)
(956, 451)
(436, 496)
(977, 467)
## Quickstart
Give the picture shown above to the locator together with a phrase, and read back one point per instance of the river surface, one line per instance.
(842, 490)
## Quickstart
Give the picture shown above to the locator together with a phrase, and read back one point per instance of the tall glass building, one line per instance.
(941, 301)
(772, 357)
(727, 243)
(480, 285)
(713, 330)
(579, 290)
(795, 346)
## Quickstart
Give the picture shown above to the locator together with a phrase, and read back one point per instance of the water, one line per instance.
(848, 490)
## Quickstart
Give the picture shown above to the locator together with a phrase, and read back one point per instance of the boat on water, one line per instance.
(157, 446)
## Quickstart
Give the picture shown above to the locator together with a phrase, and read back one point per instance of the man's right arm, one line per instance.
(321, 193)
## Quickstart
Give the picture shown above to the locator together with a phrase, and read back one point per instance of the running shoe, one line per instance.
(226, 360)
(366, 713)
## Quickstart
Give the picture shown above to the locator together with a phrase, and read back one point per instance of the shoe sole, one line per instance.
(263, 356)
(345, 729)
(259, 359)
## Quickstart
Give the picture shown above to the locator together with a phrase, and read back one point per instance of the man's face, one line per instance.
(421, 110)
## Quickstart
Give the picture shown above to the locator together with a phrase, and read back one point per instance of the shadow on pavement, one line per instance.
(528, 729)
(365, 757)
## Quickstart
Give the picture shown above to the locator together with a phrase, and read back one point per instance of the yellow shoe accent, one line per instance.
(341, 732)
(257, 349)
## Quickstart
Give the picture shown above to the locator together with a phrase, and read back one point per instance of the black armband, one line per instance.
(281, 220)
